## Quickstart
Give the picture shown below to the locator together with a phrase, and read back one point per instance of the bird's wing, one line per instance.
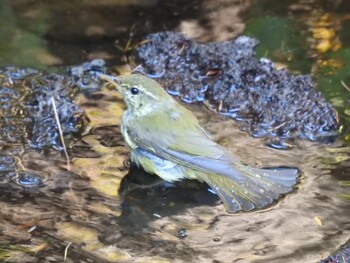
(239, 186)
(185, 143)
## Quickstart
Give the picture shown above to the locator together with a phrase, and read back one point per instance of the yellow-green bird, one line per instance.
(166, 139)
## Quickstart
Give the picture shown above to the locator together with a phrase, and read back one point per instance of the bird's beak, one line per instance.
(110, 79)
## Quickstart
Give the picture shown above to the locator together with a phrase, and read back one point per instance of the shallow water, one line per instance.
(80, 214)
(176, 224)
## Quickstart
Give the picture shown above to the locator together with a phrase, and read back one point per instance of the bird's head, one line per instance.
(140, 92)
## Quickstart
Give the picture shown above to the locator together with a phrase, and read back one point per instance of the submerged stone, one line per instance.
(29, 180)
(7, 163)
(267, 102)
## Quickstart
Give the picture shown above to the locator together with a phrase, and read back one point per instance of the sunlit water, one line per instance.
(175, 223)
(79, 214)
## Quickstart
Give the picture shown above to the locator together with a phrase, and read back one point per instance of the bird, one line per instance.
(166, 139)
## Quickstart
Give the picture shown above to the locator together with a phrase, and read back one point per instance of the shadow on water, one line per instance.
(146, 198)
(174, 222)
(80, 210)
(48, 213)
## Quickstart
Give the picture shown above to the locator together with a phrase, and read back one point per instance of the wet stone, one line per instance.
(28, 99)
(7, 163)
(182, 233)
(29, 180)
(7, 168)
(216, 239)
(267, 102)
(5, 178)
(342, 255)
(86, 75)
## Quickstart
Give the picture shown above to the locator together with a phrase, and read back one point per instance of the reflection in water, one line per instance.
(79, 214)
(149, 217)
(147, 198)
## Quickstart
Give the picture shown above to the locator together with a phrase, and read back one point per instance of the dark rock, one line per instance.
(182, 233)
(29, 180)
(27, 109)
(342, 256)
(267, 102)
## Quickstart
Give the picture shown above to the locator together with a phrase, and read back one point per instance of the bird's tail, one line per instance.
(256, 189)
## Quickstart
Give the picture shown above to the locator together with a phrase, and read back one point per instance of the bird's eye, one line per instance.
(134, 91)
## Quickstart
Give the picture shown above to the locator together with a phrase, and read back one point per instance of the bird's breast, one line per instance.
(126, 131)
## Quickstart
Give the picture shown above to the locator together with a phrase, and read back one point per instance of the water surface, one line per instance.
(80, 215)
